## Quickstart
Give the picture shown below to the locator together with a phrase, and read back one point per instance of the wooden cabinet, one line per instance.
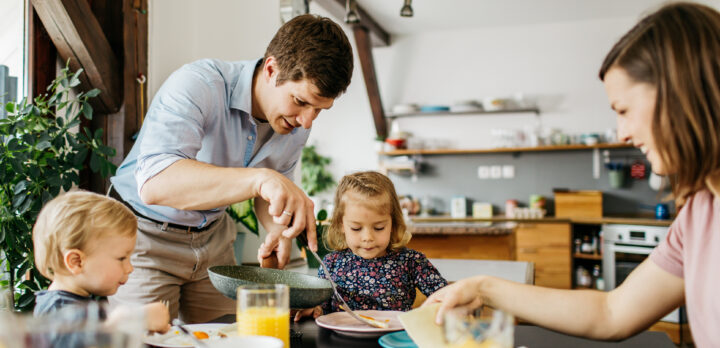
(473, 247)
(548, 246)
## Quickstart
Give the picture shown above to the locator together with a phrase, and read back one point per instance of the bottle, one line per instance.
(586, 247)
(597, 276)
(578, 241)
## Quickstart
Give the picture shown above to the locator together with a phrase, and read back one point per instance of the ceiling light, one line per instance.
(406, 10)
(351, 15)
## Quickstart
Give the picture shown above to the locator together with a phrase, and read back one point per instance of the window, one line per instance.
(12, 51)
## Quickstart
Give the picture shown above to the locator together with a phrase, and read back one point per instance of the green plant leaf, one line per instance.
(87, 110)
(26, 299)
(93, 93)
(43, 145)
(18, 200)
(25, 206)
(20, 187)
(322, 215)
(98, 134)
(80, 156)
(94, 162)
(10, 107)
(74, 81)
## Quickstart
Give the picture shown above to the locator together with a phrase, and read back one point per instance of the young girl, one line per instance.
(371, 265)
(663, 81)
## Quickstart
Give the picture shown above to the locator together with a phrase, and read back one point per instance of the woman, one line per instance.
(663, 81)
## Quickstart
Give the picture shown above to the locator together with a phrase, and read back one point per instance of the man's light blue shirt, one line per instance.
(202, 112)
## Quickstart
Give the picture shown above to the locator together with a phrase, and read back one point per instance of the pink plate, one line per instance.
(344, 324)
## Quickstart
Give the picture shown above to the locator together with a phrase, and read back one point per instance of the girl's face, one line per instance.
(634, 103)
(367, 231)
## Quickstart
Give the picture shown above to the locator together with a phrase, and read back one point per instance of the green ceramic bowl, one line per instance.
(305, 291)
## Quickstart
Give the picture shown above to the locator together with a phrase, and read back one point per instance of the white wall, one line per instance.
(554, 64)
(557, 63)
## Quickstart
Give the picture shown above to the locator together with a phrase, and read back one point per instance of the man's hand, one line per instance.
(282, 249)
(288, 206)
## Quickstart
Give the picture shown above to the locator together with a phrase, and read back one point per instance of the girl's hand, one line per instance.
(314, 312)
(463, 293)
(157, 317)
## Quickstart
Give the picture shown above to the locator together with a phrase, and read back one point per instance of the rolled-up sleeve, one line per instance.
(175, 121)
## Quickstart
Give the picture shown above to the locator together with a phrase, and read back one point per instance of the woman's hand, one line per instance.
(314, 312)
(465, 293)
(157, 317)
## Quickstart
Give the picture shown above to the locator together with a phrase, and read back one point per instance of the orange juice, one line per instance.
(265, 321)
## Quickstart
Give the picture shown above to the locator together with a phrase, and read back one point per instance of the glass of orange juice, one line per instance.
(464, 328)
(264, 310)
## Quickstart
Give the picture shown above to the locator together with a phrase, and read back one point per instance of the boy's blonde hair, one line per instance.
(371, 185)
(71, 221)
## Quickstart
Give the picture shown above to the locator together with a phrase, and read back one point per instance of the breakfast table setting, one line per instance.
(265, 296)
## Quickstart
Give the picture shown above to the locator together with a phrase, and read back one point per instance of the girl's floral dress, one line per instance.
(384, 283)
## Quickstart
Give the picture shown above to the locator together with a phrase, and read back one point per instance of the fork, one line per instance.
(181, 325)
(344, 306)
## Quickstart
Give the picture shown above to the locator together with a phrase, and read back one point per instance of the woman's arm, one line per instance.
(644, 297)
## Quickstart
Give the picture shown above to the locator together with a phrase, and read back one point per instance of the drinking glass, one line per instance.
(264, 310)
(464, 328)
(86, 325)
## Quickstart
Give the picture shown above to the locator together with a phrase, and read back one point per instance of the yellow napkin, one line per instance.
(420, 326)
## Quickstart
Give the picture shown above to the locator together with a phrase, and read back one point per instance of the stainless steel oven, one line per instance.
(624, 248)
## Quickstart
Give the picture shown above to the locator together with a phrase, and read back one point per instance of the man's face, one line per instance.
(291, 104)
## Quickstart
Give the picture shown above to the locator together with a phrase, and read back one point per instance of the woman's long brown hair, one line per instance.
(677, 50)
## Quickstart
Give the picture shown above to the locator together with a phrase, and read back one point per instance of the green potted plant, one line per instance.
(243, 213)
(316, 179)
(320, 228)
(43, 149)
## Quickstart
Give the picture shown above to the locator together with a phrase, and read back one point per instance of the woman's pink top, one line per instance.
(691, 251)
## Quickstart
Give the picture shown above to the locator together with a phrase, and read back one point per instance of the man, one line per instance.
(218, 133)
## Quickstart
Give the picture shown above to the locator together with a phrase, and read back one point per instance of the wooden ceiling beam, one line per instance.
(362, 41)
(380, 37)
(78, 37)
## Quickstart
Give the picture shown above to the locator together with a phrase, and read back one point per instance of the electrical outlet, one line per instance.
(483, 172)
(508, 171)
(495, 172)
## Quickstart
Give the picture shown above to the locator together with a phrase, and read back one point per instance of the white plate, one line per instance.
(176, 339)
(343, 323)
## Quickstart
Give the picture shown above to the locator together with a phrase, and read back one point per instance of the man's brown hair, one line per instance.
(677, 50)
(314, 48)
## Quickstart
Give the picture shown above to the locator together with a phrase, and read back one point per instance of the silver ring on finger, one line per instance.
(287, 213)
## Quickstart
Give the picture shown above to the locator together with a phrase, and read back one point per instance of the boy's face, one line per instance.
(106, 265)
(367, 231)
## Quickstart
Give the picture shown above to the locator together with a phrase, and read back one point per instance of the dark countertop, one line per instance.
(627, 220)
(461, 228)
(525, 335)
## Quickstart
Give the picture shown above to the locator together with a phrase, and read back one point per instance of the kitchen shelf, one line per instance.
(587, 256)
(504, 149)
(461, 113)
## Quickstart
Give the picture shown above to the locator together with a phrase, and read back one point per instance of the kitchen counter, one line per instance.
(627, 220)
(461, 228)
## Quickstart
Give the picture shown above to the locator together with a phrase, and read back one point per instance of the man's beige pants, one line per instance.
(171, 265)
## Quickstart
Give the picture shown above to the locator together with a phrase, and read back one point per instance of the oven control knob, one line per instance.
(619, 236)
(657, 239)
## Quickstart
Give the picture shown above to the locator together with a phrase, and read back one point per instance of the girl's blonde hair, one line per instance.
(71, 221)
(677, 50)
(370, 185)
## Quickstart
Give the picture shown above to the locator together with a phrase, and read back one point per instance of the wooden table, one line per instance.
(525, 335)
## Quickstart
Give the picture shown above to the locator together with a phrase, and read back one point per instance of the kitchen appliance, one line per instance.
(624, 248)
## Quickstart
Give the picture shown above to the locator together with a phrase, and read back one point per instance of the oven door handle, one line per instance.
(632, 250)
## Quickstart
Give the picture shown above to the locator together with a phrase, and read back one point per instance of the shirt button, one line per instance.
(249, 137)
